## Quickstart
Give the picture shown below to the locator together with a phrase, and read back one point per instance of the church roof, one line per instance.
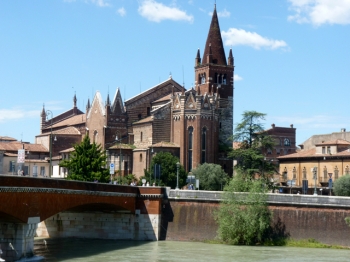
(169, 81)
(145, 120)
(72, 121)
(165, 144)
(214, 45)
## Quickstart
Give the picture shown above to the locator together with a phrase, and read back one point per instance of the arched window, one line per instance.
(286, 142)
(294, 173)
(224, 81)
(95, 136)
(204, 145)
(336, 172)
(190, 146)
(140, 157)
(203, 79)
(325, 173)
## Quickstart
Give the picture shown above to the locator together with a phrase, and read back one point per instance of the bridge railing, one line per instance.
(273, 199)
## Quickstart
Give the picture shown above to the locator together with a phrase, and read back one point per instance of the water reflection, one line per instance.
(87, 250)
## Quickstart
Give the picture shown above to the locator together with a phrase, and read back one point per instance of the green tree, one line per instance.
(342, 186)
(253, 142)
(167, 163)
(211, 177)
(87, 163)
(244, 218)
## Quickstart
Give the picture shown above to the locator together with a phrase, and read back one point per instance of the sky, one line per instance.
(291, 56)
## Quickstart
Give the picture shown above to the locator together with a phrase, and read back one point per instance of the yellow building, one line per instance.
(330, 158)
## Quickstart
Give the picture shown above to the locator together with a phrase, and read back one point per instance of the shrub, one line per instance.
(342, 186)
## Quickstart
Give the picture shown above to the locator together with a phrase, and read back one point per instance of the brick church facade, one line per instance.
(193, 124)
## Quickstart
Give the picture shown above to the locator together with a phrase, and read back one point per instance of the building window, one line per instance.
(304, 173)
(148, 111)
(204, 144)
(42, 171)
(203, 78)
(278, 151)
(190, 146)
(336, 172)
(224, 81)
(269, 152)
(141, 136)
(12, 166)
(95, 136)
(140, 157)
(139, 116)
(325, 173)
(328, 149)
(286, 142)
(294, 173)
(323, 150)
(347, 170)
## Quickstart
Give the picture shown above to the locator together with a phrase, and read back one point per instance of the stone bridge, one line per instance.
(25, 202)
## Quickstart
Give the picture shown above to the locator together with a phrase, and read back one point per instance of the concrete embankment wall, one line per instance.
(189, 215)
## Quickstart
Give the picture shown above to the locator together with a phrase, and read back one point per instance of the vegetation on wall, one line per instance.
(244, 218)
(342, 186)
(211, 177)
(87, 163)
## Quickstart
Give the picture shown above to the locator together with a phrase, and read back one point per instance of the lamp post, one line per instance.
(120, 153)
(315, 177)
(177, 175)
(47, 113)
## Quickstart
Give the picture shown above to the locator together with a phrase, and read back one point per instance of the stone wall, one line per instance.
(101, 225)
(189, 215)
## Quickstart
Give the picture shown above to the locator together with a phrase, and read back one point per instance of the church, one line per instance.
(195, 125)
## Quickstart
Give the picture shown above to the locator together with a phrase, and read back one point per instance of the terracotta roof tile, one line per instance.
(334, 142)
(165, 144)
(14, 146)
(70, 130)
(74, 120)
(7, 138)
(145, 120)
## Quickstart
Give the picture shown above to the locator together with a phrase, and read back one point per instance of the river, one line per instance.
(88, 250)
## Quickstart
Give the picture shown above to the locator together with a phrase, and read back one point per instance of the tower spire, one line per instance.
(215, 41)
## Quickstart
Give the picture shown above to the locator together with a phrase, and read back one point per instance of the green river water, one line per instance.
(89, 250)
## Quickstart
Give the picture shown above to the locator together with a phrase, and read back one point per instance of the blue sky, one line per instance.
(291, 56)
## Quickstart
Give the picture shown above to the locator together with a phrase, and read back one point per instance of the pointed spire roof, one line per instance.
(214, 43)
(43, 113)
(108, 103)
(75, 100)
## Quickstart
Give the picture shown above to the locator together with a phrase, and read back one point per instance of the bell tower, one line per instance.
(214, 74)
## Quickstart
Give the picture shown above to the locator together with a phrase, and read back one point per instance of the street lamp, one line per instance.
(120, 154)
(177, 175)
(315, 177)
(47, 113)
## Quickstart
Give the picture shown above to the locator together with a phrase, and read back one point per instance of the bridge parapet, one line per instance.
(273, 199)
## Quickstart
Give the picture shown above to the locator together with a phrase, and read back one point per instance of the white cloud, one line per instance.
(11, 114)
(223, 13)
(156, 12)
(237, 78)
(121, 11)
(235, 36)
(320, 12)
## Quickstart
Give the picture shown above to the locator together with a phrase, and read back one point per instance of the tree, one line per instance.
(244, 218)
(253, 142)
(87, 163)
(168, 169)
(342, 186)
(211, 176)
